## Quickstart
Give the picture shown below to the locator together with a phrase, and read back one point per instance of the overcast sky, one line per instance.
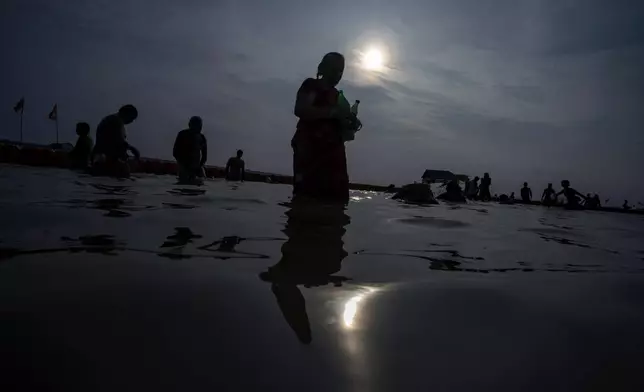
(528, 90)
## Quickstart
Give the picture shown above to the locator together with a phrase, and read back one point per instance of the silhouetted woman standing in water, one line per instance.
(319, 159)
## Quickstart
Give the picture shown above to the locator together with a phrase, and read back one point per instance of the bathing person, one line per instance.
(592, 202)
(319, 158)
(472, 188)
(191, 151)
(549, 196)
(572, 196)
(526, 193)
(453, 193)
(236, 168)
(484, 190)
(82, 150)
(110, 152)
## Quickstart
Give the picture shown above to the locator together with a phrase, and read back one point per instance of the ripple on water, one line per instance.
(433, 222)
(113, 207)
(120, 190)
(187, 192)
(454, 261)
(178, 206)
(180, 245)
(547, 230)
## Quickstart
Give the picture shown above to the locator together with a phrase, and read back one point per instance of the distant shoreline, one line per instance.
(55, 155)
(31, 154)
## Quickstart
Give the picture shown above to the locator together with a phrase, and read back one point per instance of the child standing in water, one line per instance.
(82, 151)
(319, 158)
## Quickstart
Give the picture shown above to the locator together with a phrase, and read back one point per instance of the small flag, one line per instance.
(20, 106)
(53, 115)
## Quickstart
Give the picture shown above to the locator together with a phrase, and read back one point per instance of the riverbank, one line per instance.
(30, 154)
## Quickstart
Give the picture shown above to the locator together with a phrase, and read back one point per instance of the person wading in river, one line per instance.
(319, 158)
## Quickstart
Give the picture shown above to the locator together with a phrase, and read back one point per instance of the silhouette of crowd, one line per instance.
(326, 121)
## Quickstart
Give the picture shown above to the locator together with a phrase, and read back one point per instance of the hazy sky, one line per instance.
(527, 90)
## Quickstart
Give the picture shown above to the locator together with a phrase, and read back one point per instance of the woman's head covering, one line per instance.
(331, 67)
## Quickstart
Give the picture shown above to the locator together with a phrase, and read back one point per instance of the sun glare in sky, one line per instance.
(373, 60)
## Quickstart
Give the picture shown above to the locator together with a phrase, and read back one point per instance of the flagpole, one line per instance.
(56, 123)
(21, 113)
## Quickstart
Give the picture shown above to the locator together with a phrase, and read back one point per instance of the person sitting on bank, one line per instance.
(191, 151)
(573, 197)
(80, 154)
(236, 168)
(110, 152)
(526, 193)
(549, 196)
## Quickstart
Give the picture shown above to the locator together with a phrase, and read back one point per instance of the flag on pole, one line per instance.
(53, 115)
(20, 106)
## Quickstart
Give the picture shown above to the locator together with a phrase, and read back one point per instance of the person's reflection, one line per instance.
(311, 256)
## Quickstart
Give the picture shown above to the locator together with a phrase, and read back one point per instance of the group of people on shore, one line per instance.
(109, 155)
(549, 197)
(476, 191)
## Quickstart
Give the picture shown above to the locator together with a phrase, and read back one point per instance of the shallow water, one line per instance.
(107, 274)
(55, 209)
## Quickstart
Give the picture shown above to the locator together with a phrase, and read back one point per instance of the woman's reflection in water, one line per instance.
(311, 256)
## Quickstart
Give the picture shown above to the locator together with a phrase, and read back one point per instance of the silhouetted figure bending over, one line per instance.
(572, 196)
(191, 151)
(484, 190)
(236, 168)
(625, 205)
(453, 193)
(319, 158)
(526, 193)
(110, 153)
(549, 196)
(82, 151)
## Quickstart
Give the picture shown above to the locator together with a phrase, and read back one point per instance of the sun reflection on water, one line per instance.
(351, 307)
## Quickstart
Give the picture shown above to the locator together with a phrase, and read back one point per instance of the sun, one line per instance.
(372, 59)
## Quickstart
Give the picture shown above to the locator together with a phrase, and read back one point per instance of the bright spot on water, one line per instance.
(360, 198)
(351, 307)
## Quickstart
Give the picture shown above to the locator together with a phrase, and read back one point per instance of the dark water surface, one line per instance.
(143, 284)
